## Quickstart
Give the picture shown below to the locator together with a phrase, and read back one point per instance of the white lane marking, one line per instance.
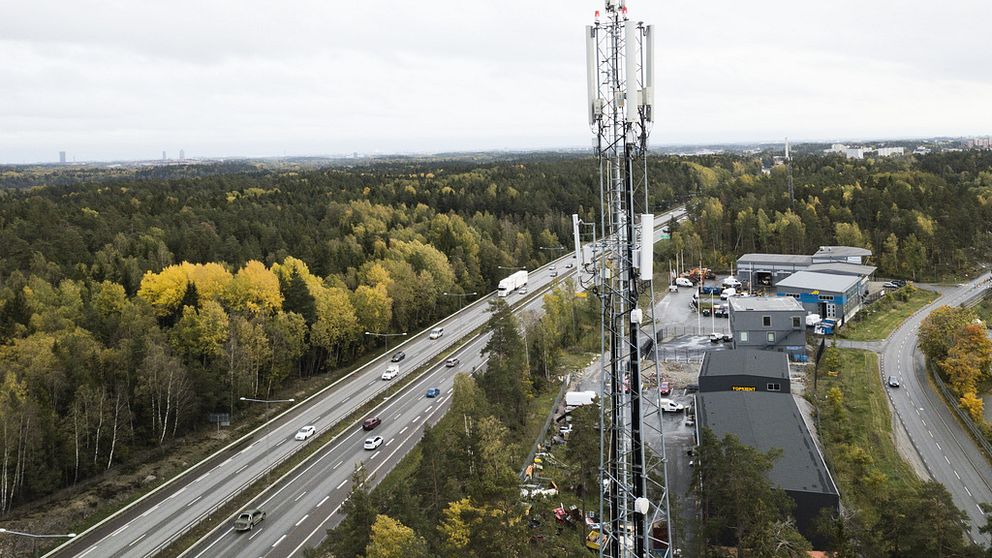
(377, 452)
(390, 441)
(324, 500)
(92, 548)
(947, 460)
(242, 469)
(398, 415)
(344, 482)
(938, 447)
(335, 511)
(300, 496)
(404, 429)
(194, 501)
(180, 491)
(226, 462)
(302, 519)
(255, 534)
(931, 433)
(924, 422)
(429, 408)
(151, 510)
(114, 534)
(203, 476)
(135, 541)
(338, 465)
(275, 544)
(957, 475)
(979, 508)
(450, 390)
(281, 443)
(416, 419)
(247, 448)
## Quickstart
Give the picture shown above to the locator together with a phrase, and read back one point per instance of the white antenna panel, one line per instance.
(594, 105)
(647, 246)
(630, 45)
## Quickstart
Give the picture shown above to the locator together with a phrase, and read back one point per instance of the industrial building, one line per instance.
(837, 297)
(766, 270)
(769, 323)
(766, 421)
(744, 370)
(844, 254)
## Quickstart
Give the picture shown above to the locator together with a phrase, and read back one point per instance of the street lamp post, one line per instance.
(387, 336)
(34, 537)
(268, 441)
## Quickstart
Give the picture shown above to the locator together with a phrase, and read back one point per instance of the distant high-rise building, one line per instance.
(62, 157)
(182, 155)
(163, 154)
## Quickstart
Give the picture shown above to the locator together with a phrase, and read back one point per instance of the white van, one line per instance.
(727, 293)
(731, 281)
(683, 282)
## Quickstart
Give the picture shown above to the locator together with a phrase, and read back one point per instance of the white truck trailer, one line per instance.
(513, 282)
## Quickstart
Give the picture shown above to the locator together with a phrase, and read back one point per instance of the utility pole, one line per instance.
(788, 174)
(634, 507)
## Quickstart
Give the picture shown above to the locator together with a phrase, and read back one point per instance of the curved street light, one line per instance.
(34, 537)
(387, 336)
(268, 440)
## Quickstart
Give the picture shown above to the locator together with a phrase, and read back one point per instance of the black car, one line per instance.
(400, 355)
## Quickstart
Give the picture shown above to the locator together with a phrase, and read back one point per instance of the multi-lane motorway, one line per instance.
(947, 449)
(152, 523)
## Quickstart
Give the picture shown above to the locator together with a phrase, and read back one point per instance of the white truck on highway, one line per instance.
(513, 282)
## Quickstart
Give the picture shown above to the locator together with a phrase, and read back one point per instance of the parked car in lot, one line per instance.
(400, 355)
(716, 337)
(893, 382)
(373, 443)
(371, 422)
(670, 406)
(248, 519)
(305, 432)
(728, 338)
(433, 392)
(691, 388)
(436, 333)
(391, 371)
(451, 362)
(683, 282)
(673, 288)
(665, 388)
(890, 285)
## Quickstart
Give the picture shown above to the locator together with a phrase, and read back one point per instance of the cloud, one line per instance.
(111, 80)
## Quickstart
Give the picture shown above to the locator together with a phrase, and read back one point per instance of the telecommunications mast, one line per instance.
(634, 512)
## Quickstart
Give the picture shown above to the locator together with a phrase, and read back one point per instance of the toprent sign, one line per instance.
(742, 388)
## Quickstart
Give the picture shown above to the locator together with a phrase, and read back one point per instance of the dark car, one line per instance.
(433, 392)
(248, 520)
(728, 338)
(400, 355)
(691, 388)
(371, 423)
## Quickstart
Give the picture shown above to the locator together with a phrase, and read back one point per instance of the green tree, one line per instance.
(351, 537)
(506, 381)
(939, 331)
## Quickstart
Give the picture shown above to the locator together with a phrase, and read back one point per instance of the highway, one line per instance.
(949, 453)
(153, 522)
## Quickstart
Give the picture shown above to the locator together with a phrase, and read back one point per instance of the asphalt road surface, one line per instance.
(152, 523)
(947, 449)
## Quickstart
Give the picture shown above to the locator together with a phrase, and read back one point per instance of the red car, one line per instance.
(665, 388)
(371, 423)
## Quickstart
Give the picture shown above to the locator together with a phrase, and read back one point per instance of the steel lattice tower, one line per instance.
(634, 504)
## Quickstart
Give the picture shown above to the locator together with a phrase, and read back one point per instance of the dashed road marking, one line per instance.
(947, 460)
(957, 475)
(194, 500)
(275, 544)
(416, 419)
(344, 482)
(338, 465)
(241, 469)
(135, 541)
(404, 429)
(300, 496)
(390, 441)
(322, 501)
(255, 534)
(302, 519)
(151, 510)
(92, 548)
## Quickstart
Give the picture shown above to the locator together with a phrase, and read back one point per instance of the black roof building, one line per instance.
(766, 421)
(744, 370)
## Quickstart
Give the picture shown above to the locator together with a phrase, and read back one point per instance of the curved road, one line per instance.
(949, 453)
(151, 523)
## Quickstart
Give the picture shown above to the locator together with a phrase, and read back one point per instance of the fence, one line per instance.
(952, 401)
(547, 425)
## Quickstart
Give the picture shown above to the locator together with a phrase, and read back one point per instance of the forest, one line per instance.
(132, 305)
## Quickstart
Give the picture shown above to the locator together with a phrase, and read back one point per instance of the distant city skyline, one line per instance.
(119, 81)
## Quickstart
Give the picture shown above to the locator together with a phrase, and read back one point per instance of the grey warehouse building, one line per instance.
(744, 370)
(771, 323)
(766, 421)
(766, 270)
(838, 297)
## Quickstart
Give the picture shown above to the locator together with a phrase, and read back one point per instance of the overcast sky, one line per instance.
(108, 79)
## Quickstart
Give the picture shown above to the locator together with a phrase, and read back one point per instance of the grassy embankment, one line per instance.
(880, 318)
(856, 431)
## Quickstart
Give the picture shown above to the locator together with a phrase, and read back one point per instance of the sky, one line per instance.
(125, 80)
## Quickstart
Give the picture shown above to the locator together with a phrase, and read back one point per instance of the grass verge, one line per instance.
(879, 319)
(856, 427)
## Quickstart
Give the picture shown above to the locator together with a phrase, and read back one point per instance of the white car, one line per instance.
(391, 372)
(670, 406)
(373, 443)
(305, 432)
(522, 290)
(551, 267)
(436, 333)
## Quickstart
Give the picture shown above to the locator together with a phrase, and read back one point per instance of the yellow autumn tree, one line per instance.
(255, 290)
(391, 539)
(373, 307)
(212, 280)
(164, 291)
(974, 405)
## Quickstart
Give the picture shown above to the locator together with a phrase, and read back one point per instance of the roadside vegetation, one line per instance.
(879, 319)
(888, 509)
(457, 492)
(957, 343)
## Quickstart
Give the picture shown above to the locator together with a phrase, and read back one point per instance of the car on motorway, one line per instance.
(554, 274)
(893, 382)
(371, 422)
(398, 356)
(305, 432)
(373, 443)
(248, 519)
(436, 333)
(451, 362)
(522, 290)
(665, 388)
(391, 372)
(551, 267)
(569, 265)
(433, 392)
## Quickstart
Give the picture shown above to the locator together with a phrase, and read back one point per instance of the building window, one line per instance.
(744, 337)
(774, 387)
(797, 322)
(771, 336)
(766, 321)
(826, 297)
